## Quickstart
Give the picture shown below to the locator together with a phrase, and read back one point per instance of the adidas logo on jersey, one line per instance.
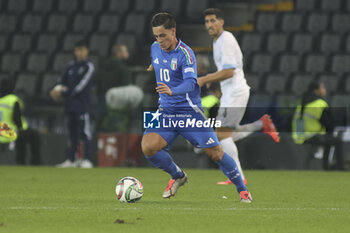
(210, 141)
(156, 61)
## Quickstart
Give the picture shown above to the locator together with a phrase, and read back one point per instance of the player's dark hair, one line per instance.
(81, 43)
(214, 11)
(165, 19)
(314, 85)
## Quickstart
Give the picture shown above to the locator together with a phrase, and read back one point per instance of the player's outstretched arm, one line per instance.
(215, 77)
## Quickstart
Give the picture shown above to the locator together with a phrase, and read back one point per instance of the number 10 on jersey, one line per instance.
(164, 75)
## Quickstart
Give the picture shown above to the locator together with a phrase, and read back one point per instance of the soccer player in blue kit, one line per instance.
(175, 67)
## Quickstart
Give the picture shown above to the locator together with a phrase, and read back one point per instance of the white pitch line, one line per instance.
(184, 208)
(239, 209)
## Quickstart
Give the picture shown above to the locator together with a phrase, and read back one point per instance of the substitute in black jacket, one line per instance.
(75, 87)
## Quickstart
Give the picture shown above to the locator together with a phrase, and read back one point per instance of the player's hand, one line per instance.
(150, 68)
(55, 95)
(56, 92)
(200, 81)
(163, 89)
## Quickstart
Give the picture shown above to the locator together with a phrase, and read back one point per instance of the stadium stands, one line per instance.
(43, 6)
(276, 43)
(291, 22)
(109, 23)
(37, 63)
(21, 43)
(47, 42)
(32, 23)
(251, 42)
(289, 63)
(11, 62)
(100, 44)
(309, 39)
(283, 50)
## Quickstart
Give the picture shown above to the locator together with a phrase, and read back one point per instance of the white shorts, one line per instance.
(233, 111)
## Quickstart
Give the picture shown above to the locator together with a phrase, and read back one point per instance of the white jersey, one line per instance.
(227, 54)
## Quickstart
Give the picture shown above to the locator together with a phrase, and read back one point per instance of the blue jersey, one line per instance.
(172, 68)
(77, 78)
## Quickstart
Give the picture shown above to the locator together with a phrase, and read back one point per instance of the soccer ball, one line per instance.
(129, 189)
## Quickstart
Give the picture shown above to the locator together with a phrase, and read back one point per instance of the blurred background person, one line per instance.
(112, 72)
(75, 87)
(312, 123)
(203, 68)
(11, 112)
(211, 101)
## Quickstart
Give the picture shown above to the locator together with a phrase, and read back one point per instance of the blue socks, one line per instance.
(163, 160)
(229, 168)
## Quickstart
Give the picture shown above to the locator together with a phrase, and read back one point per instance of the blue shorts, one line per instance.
(203, 137)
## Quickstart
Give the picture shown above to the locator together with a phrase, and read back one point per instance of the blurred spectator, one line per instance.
(113, 72)
(312, 123)
(203, 65)
(211, 102)
(11, 108)
(75, 87)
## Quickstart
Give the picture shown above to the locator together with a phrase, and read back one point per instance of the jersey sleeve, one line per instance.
(228, 48)
(188, 64)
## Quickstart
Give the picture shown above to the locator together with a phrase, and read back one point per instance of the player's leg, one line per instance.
(74, 129)
(207, 139)
(34, 140)
(230, 117)
(73, 136)
(236, 108)
(229, 146)
(153, 147)
(87, 138)
(227, 165)
(21, 148)
(264, 123)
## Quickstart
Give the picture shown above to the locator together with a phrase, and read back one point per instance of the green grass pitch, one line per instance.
(47, 199)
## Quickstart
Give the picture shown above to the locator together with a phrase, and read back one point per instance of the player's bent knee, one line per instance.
(223, 133)
(151, 144)
(148, 148)
(215, 153)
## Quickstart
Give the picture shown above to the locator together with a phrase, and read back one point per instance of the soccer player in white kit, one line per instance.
(235, 91)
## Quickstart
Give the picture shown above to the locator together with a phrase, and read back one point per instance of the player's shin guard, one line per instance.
(229, 168)
(163, 160)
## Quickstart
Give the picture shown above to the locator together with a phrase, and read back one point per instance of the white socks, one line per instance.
(242, 131)
(230, 148)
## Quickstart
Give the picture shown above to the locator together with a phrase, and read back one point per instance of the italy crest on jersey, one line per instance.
(174, 63)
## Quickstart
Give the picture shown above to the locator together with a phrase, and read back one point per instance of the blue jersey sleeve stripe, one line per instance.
(229, 66)
(187, 53)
